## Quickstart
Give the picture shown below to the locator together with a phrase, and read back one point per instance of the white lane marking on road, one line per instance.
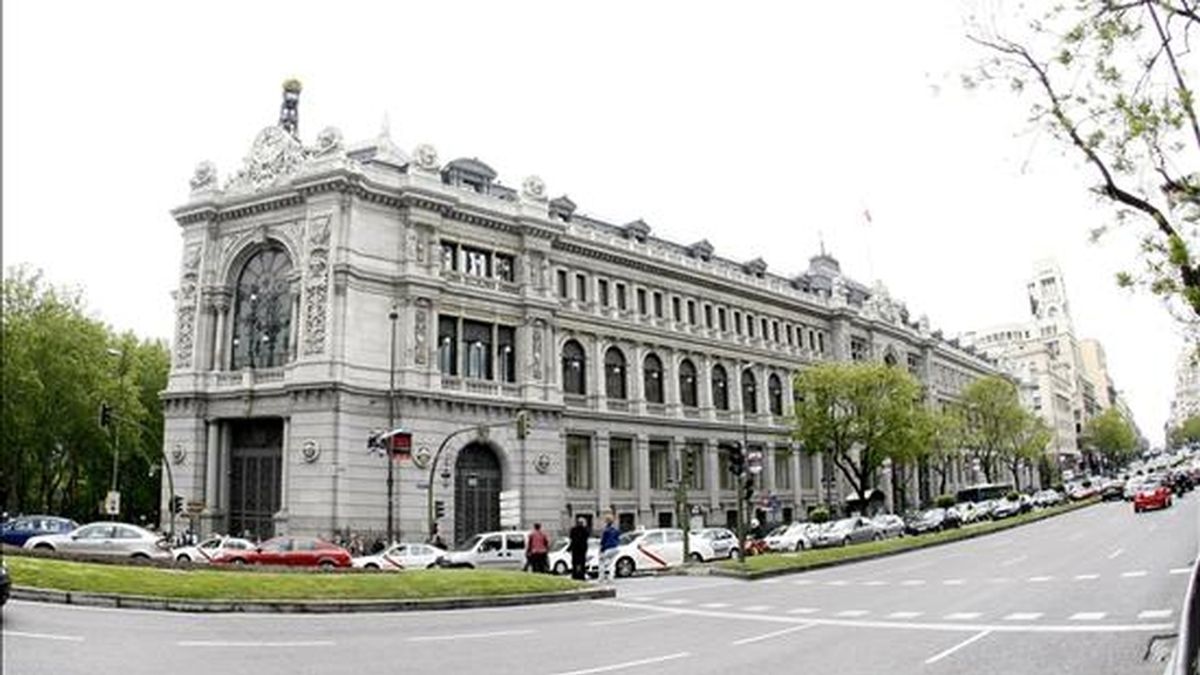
(1179, 570)
(838, 582)
(769, 581)
(1023, 616)
(1038, 580)
(913, 582)
(676, 601)
(961, 616)
(852, 613)
(715, 605)
(1154, 614)
(1134, 573)
(802, 582)
(954, 582)
(618, 622)
(1014, 561)
(1115, 553)
(943, 654)
(804, 610)
(1086, 577)
(43, 636)
(469, 636)
(627, 664)
(642, 598)
(1087, 616)
(255, 645)
(875, 583)
(768, 636)
(756, 608)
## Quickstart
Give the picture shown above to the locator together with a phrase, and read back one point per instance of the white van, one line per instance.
(490, 550)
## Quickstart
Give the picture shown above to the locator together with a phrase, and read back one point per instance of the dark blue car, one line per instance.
(17, 530)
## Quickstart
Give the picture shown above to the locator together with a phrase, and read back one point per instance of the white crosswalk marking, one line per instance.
(802, 582)
(1086, 577)
(1040, 579)
(839, 582)
(1179, 570)
(1023, 616)
(953, 582)
(904, 615)
(1134, 573)
(1087, 616)
(803, 610)
(1154, 614)
(852, 613)
(913, 582)
(961, 616)
(715, 605)
(756, 608)
(676, 601)
(875, 583)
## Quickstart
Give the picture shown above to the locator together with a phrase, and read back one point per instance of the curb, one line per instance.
(117, 601)
(784, 571)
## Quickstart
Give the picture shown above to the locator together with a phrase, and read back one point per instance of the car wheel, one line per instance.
(140, 556)
(325, 565)
(735, 554)
(560, 568)
(239, 561)
(696, 558)
(432, 566)
(184, 558)
(877, 537)
(43, 547)
(625, 567)
(371, 566)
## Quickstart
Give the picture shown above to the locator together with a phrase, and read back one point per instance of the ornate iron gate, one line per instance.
(477, 483)
(256, 452)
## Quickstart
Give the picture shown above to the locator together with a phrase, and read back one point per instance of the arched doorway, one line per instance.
(477, 483)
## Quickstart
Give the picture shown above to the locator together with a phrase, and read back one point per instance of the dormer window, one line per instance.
(471, 174)
(638, 230)
(562, 208)
(701, 250)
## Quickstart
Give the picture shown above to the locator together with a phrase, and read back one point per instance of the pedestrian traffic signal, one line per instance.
(105, 415)
(439, 508)
(737, 460)
(177, 505)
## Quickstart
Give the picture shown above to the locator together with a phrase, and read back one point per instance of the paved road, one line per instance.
(1082, 593)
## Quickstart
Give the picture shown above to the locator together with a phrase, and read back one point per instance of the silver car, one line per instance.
(889, 525)
(117, 539)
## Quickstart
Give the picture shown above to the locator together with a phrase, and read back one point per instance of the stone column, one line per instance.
(603, 474)
(670, 361)
(220, 338)
(211, 516)
(637, 380)
(734, 373)
(789, 396)
(840, 337)
(797, 486)
(641, 479)
(281, 517)
(704, 387)
(712, 479)
(760, 391)
(597, 375)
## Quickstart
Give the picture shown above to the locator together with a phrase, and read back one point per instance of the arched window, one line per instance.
(775, 393)
(720, 388)
(749, 392)
(262, 311)
(574, 369)
(687, 383)
(614, 374)
(652, 378)
(889, 359)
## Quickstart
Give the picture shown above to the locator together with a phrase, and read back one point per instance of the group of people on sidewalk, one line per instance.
(537, 549)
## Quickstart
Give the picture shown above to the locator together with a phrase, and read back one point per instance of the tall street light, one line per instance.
(112, 351)
(392, 316)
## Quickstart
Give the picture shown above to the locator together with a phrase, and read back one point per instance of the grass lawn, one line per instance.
(776, 562)
(199, 584)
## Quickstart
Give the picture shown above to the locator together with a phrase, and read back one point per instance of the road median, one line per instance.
(777, 564)
(281, 592)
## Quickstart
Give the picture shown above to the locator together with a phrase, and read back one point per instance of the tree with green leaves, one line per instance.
(59, 366)
(992, 418)
(944, 441)
(1112, 436)
(857, 415)
(1026, 446)
(1111, 81)
(1186, 433)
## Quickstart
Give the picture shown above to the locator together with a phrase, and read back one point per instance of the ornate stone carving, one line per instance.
(533, 188)
(329, 142)
(420, 331)
(310, 451)
(316, 285)
(186, 300)
(838, 291)
(204, 177)
(542, 463)
(535, 356)
(274, 155)
(178, 453)
(425, 156)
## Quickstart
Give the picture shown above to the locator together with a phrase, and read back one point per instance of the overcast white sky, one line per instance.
(758, 126)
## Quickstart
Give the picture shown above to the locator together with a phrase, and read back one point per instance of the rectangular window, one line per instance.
(477, 350)
(858, 349)
(603, 290)
(676, 310)
(475, 262)
(812, 340)
(691, 305)
(749, 325)
(504, 267)
(562, 284)
(659, 460)
(721, 320)
(821, 342)
(808, 471)
(622, 304)
(448, 345)
(914, 364)
(506, 354)
(693, 465)
(708, 320)
(581, 288)
(620, 463)
(579, 462)
(775, 331)
(783, 469)
(641, 301)
(658, 305)
(449, 255)
(737, 322)
(766, 325)
(724, 478)
(791, 335)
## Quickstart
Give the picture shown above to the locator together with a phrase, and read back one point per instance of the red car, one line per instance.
(290, 551)
(1151, 496)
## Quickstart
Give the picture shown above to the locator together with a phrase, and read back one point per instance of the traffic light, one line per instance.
(737, 460)
(689, 468)
(522, 425)
(439, 508)
(177, 505)
(748, 491)
(105, 415)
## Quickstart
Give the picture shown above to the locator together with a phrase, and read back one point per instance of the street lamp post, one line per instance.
(112, 351)
(392, 316)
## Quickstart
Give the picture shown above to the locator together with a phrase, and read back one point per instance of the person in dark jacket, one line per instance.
(578, 547)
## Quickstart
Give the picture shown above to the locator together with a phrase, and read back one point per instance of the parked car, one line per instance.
(5, 583)
(289, 551)
(402, 556)
(16, 531)
(560, 557)
(489, 550)
(1046, 498)
(792, 537)
(970, 512)
(930, 520)
(853, 530)
(1006, 508)
(889, 525)
(104, 538)
(210, 548)
(1112, 491)
(659, 548)
(713, 543)
(1152, 496)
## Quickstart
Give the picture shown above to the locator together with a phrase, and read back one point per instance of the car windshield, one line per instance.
(560, 545)
(779, 531)
(470, 544)
(628, 537)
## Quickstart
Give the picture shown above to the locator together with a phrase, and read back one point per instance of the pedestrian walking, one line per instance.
(436, 540)
(537, 550)
(609, 540)
(578, 547)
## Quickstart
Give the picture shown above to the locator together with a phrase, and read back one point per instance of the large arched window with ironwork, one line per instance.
(720, 387)
(775, 394)
(614, 374)
(749, 392)
(687, 383)
(652, 378)
(574, 369)
(263, 310)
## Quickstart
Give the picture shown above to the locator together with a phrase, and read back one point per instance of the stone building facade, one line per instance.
(634, 356)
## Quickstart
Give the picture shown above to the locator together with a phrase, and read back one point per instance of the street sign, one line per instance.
(754, 460)
(195, 508)
(112, 503)
(510, 508)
